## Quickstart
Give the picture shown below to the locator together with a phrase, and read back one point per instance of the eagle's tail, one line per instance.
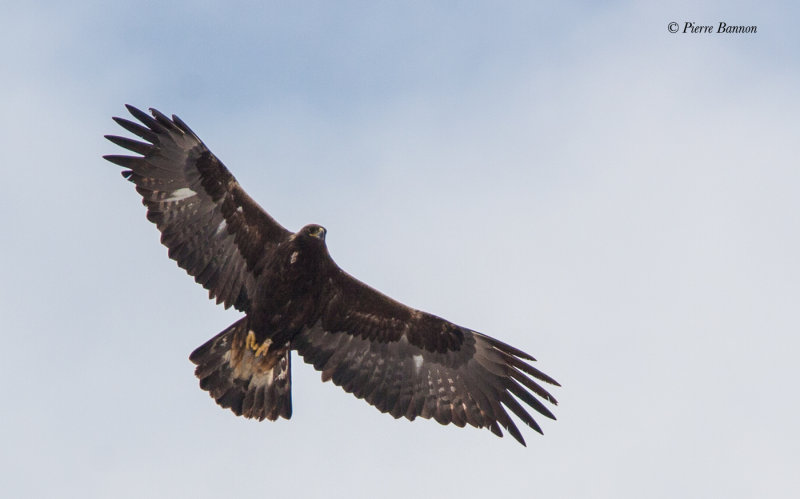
(253, 380)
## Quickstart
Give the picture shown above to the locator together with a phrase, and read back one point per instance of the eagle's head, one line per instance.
(313, 232)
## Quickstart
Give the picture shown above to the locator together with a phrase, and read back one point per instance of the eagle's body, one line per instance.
(401, 360)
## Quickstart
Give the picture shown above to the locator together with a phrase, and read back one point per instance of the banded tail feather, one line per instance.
(252, 379)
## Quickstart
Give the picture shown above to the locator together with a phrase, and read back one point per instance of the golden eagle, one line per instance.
(402, 361)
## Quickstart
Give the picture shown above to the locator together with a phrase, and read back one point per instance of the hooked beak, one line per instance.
(319, 233)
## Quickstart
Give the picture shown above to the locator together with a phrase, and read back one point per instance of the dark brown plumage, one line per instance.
(401, 360)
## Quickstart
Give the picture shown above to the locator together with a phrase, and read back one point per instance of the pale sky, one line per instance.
(573, 179)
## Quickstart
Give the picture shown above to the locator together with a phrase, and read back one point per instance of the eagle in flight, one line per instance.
(402, 361)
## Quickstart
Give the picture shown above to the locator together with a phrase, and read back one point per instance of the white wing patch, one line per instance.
(417, 362)
(221, 227)
(293, 258)
(181, 194)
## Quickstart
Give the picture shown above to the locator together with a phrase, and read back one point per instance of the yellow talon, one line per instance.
(262, 350)
(250, 341)
(259, 350)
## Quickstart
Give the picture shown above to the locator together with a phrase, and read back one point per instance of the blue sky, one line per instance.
(570, 178)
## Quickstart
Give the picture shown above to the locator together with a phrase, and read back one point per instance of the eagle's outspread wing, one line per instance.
(212, 228)
(411, 363)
